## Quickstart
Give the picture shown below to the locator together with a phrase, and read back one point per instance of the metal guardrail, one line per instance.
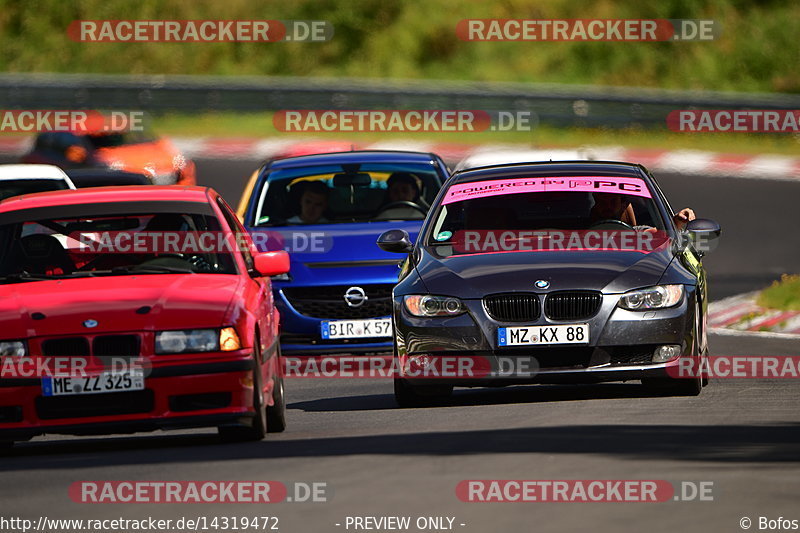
(557, 105)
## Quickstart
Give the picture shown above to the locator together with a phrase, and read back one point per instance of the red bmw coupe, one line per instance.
(108, 326)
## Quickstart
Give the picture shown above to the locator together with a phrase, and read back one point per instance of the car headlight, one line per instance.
(13, 349)
(658, 297)
(190, 340)
(427, 305)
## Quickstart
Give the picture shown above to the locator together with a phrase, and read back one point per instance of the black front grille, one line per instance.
(512, 307)
(86, 405)
(329, 302)
(572, 305)
(116, 345)
(631, 355)
(553, 357)
(65, 347)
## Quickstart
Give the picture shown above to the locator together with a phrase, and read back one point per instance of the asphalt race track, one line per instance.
(742, 435)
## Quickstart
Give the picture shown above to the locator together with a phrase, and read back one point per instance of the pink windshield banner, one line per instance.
(606, 184)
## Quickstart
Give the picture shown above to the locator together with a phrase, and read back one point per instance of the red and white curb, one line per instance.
(693, 162)
(741, 315)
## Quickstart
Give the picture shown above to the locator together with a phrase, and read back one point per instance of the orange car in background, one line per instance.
(131, 151)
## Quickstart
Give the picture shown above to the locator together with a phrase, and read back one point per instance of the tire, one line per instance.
(276, 413)
(407, 395)
(258, 428)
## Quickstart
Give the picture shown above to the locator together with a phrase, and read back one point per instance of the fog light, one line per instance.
(666, 352)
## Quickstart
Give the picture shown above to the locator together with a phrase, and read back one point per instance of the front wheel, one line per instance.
(258, 427)
(685, 386)
(276, 413)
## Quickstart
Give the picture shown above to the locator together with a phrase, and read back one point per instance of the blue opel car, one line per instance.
(327, 210)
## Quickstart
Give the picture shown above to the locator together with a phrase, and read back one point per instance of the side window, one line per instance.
(236, 226)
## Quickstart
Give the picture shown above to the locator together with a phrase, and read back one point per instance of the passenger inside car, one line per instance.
(313, 203)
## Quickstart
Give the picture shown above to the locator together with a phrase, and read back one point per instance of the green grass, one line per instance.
(783, 294)
(260, 125)
(416, 39)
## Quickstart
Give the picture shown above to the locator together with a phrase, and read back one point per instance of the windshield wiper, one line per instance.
(151, 269)
(18, 277)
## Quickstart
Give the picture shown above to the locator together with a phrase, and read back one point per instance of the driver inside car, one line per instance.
(613, 207)
(403, 187)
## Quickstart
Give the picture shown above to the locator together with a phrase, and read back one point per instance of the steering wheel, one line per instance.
(402, 203)
(610, 223)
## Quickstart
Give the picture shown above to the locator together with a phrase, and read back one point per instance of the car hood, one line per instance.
(336, 253)
(175, 302)
(474, 276)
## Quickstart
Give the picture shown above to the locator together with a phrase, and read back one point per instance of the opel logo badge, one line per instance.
(355, 297)
(542, 284)
(91, 323)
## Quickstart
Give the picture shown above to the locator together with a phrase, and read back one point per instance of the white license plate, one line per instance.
(530, 335)
(97, 384)
(357, 329)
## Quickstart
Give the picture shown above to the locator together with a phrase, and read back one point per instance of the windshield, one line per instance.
(546, 204)
(113, 244)
(333, 194)
(9, 188)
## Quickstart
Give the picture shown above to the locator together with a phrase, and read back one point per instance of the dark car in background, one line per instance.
(102, 177)
(327, 210)
(587, 312)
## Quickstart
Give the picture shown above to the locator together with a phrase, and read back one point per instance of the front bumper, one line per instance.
(301, 335)
(621, 345)
(197, 394)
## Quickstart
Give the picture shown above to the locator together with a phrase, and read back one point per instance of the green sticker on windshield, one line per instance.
(444, 235)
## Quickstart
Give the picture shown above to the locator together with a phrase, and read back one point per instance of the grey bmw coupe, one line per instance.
(550, 272)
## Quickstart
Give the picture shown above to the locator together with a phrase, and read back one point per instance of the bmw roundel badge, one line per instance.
(542, 284)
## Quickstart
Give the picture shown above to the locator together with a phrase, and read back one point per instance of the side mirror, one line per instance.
(272, 263)
(704, 234)
(396, 241)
